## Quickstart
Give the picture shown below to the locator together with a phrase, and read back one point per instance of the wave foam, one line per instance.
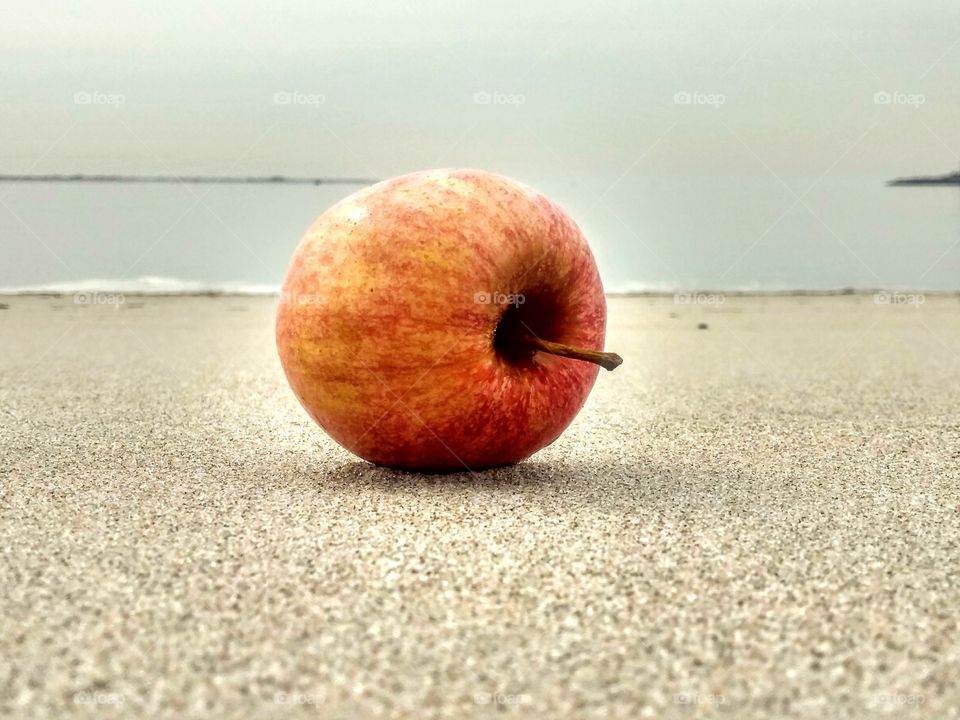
(147, 285)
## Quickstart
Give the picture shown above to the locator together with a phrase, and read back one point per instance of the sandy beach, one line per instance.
(759, 518)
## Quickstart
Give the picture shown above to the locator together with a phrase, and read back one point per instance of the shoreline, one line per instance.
(841, 292)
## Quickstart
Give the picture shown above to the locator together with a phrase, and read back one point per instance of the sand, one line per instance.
(757, 519)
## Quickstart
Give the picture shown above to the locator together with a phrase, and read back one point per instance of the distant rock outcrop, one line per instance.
(950, 179)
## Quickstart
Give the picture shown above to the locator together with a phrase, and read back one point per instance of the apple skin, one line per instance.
(386, 340)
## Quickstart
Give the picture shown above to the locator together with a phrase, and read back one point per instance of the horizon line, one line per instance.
(192, 179)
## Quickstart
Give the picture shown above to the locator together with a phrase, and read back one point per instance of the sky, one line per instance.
(739, 144)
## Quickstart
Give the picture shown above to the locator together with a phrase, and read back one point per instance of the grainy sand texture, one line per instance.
(757, 519)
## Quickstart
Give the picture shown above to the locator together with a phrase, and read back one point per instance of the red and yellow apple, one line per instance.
(443, 320)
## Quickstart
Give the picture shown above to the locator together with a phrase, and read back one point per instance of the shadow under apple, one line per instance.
(638, 484)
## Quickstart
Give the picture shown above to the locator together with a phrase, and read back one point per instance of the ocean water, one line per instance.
(657, 233)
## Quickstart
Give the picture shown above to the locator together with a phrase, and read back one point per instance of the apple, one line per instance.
(443, 320)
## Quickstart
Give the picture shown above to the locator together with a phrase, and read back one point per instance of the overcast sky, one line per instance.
(699, 144)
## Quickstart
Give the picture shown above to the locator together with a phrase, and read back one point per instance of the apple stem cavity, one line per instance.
(606, 360)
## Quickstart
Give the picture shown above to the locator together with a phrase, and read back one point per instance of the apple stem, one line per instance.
(606, 360)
